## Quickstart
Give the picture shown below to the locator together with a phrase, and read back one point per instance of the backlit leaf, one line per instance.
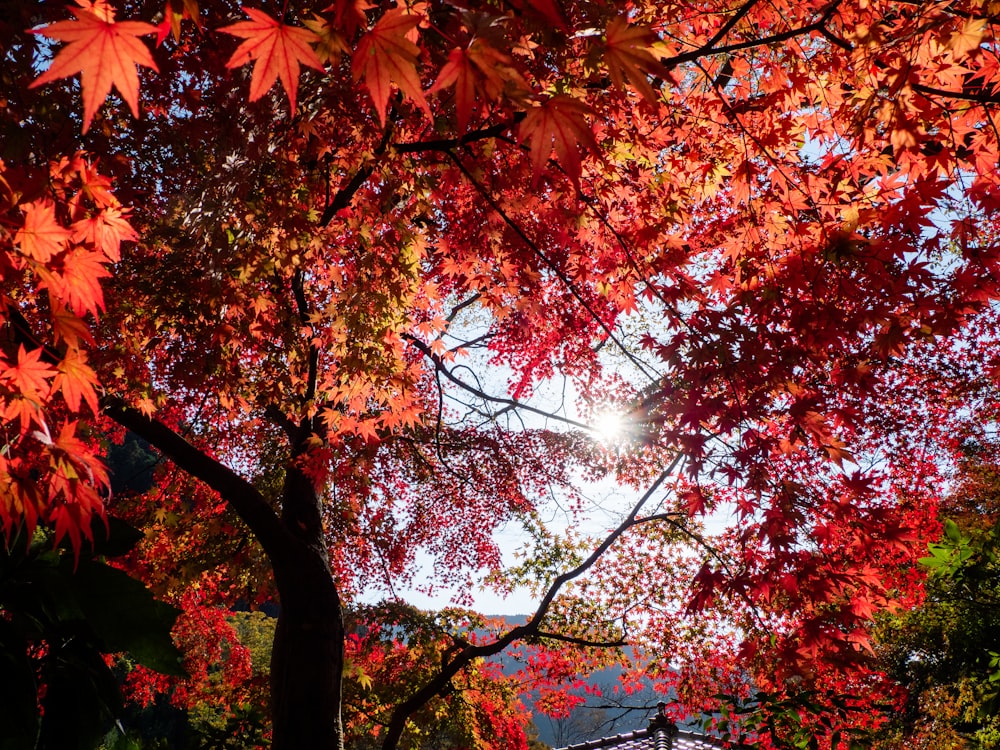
(386, 56)
(559, 124)
(42, 236)
(278, 52)
(30, 375)
(628, 57)
(76, 380)
(969, 37)
(104, 52)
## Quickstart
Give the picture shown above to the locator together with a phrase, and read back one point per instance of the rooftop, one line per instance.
(661, 734)
(645, 739)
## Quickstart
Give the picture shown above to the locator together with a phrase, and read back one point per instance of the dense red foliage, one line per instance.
(766, 232)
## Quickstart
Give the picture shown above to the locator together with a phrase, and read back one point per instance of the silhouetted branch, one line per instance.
(447, 144)
(530, 629)
(480, 394)
(965, 96)
(242, 496)
(546, 636)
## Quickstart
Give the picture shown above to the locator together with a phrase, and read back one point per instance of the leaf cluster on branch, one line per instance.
(328, 259)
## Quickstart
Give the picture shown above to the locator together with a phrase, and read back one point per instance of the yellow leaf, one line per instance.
(968, 38)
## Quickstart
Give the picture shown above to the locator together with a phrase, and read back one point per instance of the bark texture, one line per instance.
(307, 660)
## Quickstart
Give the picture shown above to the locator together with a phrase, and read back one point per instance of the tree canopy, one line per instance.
(322, 257)
(946, 649)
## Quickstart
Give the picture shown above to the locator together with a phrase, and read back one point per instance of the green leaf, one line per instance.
(116, 539)
(951, 531)
(126, 617)
(81, 696)
(116, 739)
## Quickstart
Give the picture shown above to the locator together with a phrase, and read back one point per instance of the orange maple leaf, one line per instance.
(30, 377)
(968, 38)
(385, 55)
(68, 327)
(104, 52)
(368, 429)
(627, 55)
(480, 69)
(175, 12)
(278, 49)
(80, 454)
(42, 236)
(76, 380)
(93, 185)
(78, 283)
(560, 123)
(105, 232)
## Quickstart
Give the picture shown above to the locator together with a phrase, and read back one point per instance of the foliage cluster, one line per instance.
(63, 613)
(946, 651)
(322, 257)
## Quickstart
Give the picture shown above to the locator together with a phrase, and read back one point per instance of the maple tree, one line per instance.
(944, 651)
(294, 252)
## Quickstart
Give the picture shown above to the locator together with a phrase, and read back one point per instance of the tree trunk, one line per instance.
(307, 660)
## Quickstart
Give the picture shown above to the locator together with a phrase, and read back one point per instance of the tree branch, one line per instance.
(21, 333)
(980, 98)
(302, 305)
(532, 628)
(730, 24)
(543, 635)
(462, 305)
(533, 246)
(710, 49)
(471, 389)
(279, 418)
(344, 196)
(242, 496)
(447, 144)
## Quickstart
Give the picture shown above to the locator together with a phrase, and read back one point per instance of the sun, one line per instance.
(609, 426)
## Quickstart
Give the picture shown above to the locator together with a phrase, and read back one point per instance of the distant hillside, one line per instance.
(598, 716)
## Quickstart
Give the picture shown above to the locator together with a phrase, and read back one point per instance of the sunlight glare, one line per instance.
(609, 426)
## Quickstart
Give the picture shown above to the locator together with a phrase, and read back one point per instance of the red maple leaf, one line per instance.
(42, 236)
(546, 10)
(459, 71)
(627, 55)
(175, 12)
(104, 52)
(560, 123)
(385, 55)
(278, 49)
(481, 70)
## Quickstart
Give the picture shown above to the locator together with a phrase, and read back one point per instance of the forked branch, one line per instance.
(531, 629)
(242, 496)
